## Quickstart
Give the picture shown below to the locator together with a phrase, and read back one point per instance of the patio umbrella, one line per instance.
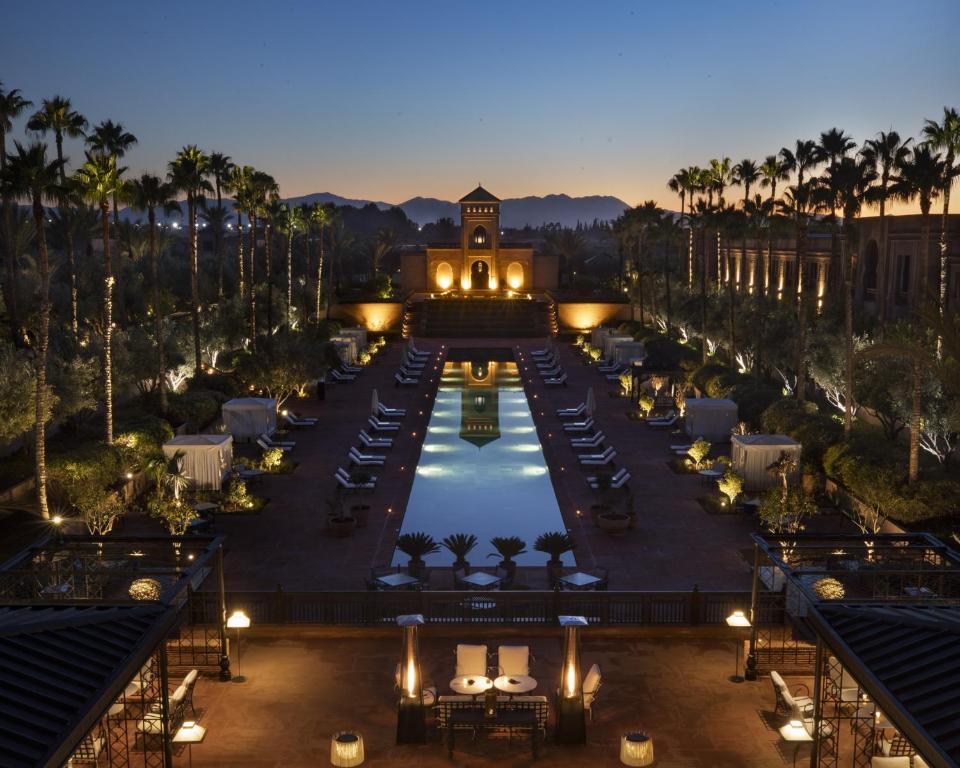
(591, 401)
(374, 402)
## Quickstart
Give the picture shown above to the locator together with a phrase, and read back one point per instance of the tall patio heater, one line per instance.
(571, 723)
(411, 714)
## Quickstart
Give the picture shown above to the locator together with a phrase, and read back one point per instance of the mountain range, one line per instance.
(515, 212)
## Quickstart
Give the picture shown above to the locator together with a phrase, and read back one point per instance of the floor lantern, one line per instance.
(571, 723)
(411, 713)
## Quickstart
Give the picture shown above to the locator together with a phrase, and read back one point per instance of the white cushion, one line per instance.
(890, 762)
(590, 684)
(178, 695)
(514, 659)
(472, 660)
(191, 678)
(919, 762)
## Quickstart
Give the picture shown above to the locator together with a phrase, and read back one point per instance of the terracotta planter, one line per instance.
(416, 568)
(554, 570)
(341, 526)
(509, 566)
(361, 513)
(613, 522)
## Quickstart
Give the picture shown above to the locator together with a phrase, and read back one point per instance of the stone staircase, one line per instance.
(479, 318)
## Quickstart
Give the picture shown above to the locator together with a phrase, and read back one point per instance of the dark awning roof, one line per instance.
(60, 666)
(479, 195)
(907, 657)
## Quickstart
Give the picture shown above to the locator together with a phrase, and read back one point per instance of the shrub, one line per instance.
(196, 408)
(646, 403)
(665, 354)
(752, 399)
(237, 497)
(698, 451)
(223, 383)
(271, 459)
(707, 373)
(730, 485)
(80, 476)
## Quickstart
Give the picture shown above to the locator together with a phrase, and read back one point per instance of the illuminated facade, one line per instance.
(481, 261)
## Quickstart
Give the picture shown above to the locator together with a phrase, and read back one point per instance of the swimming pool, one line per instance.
(482, 469)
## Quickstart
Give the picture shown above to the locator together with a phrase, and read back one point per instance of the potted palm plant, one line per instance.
(460, 545)
(416, 546)
(554, 543)
(339, 522)
(508, 547)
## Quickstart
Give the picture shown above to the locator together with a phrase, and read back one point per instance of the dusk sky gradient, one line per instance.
(386, 101)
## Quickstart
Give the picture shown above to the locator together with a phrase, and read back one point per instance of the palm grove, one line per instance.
(836, 377)
(114, 330)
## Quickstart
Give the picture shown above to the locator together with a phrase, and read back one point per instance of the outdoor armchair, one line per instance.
(471, 660)
(513, 660)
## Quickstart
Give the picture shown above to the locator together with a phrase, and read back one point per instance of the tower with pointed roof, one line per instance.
(479, 239)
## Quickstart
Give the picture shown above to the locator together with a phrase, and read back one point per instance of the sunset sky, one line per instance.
(390, 100)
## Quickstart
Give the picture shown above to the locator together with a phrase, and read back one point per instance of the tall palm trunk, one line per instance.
(10, 287)
(241, 292)
(253, 279)
(320, 273)
(924, 266)
(108, 281)
(290, 278)
(732, 299)
(913, 469)
(157, 311)
(801, 298)
(43, 343)
(945, 247)
(218, 244)
(666, 279)
(194, 281)
(704, 277)
(268, 241)
(58, 135)
(846, 269)
(72, 266)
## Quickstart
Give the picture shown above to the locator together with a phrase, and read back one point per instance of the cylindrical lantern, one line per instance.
(636, 749)
(411, 714)
(145, 589)
(346, 749)
(571, 723)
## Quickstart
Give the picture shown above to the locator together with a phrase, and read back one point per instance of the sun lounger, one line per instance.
(559, 381)
(388, 412)
(343, 479)
(663, 422)
(337, 376)
(579, 426)
(365, 460)
(598, 459)
(266, 444)
(405, 381)
(588, 445)
(617, 480)
(555, 371)
(304, 419)
(383, 426)
(298, 422)
(570, 412)
(374, 442)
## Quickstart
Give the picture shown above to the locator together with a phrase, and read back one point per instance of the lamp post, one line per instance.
(411, 714)
(737, 621)
(571, 723)
(238, 620)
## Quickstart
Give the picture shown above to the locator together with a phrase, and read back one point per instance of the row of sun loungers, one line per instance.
(412, 365)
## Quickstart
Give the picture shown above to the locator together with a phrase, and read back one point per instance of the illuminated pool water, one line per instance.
(482, 469)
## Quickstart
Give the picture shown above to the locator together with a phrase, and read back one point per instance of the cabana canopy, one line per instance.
(206, 458)
(628, 351)
(711, 418)
(752, 454)
(611, 342)
(247, 417)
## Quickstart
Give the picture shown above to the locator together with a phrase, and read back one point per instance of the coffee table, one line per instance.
(195, 734)
(796, 736)
(481, 579)
(397, 580)
(580, 580)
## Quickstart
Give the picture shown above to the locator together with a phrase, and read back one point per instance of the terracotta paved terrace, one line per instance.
(675, 545)
(302, 687)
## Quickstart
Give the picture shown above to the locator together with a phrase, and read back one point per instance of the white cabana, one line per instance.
(360, 334)
(247, 417)
(628, 351)
(207, 459)
(347, 347)
(598, 334)
(752, 454)
(711, 418)
(610, 343)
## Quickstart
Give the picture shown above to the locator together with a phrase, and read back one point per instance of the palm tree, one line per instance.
(98, 180)
(759, 214)
(237, 183)
(12, 104)
(110, 138)
(773, 170)
(921, 178)
(32, 176)
(719, 179)
(746, 173)
(796, 205)
(322, 214)
(188, 173)
(845, 186)
(681, 183)
(834, 144)
(73, 221)
(221, 167)
(885, 154)
(59, 116)
(148, 193)
(262, 186)
(945, 137)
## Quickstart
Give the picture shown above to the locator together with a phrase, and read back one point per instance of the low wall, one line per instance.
(583, 315)
(375, 316)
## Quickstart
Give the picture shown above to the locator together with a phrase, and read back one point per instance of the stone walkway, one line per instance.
(303, 688)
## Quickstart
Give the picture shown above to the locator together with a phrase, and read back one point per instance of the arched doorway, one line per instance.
(444, 276)
(479, 275)
(515, 275)
(479, 237)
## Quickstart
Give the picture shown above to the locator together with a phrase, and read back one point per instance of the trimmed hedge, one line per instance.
(805, 424)
(196, 408)
(223, 383)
